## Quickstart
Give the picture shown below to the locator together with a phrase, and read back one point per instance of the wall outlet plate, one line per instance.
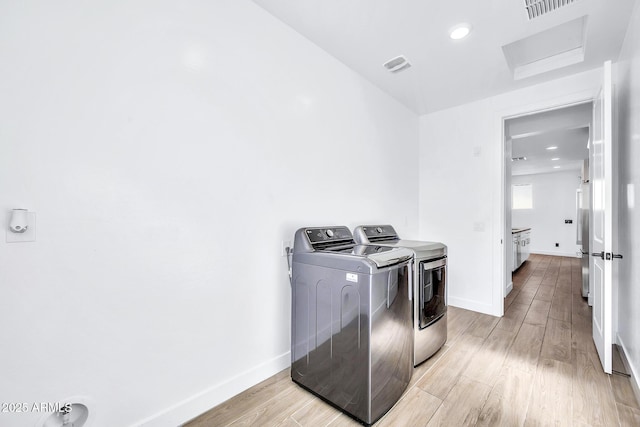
(285, 244)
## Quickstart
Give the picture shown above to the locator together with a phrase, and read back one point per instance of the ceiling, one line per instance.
(565, 128)
(364, 34)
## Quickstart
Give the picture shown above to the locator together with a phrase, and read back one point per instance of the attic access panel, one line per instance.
(557, 47)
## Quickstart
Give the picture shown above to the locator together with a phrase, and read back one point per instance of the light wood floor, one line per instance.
(536, 366)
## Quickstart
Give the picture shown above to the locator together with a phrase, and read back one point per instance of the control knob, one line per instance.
(329, 233)
(379, 230)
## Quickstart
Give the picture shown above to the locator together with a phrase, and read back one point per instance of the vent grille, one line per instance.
(536, 8)
(397, 64)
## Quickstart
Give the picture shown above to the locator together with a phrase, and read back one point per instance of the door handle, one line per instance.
(608, 255)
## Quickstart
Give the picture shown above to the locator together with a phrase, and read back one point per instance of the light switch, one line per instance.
(478, 226)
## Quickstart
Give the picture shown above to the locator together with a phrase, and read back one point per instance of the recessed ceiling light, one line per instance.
(555, 158)
(459, 31)
(556, 167)
(553, 147)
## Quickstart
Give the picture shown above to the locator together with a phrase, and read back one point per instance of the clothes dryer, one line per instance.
(429, 286)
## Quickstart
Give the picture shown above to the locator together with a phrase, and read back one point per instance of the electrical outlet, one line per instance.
(568, 221)
(285, 244)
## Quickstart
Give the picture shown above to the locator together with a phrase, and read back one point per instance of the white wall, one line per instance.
(168, 148)
(628, 292)
(461, 181)
(554, 200)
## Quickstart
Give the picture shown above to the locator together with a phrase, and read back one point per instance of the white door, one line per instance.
(510, 255)
(600, 152)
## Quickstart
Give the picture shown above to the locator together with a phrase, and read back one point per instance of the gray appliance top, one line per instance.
(336, 244)
(386, 235)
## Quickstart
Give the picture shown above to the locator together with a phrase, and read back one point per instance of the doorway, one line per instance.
(546, 170)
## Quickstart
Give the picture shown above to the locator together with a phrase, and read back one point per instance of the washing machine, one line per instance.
(351, 323)
(429, 286)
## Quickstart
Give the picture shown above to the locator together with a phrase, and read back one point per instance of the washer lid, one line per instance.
(421, 248)
(382, 256)
(386, 235)
(387, 258)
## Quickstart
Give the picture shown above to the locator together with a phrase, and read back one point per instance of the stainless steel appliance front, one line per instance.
(431, 310)
(352, 333)
(429, 286)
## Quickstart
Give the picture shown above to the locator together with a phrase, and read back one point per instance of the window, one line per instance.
(522, 196)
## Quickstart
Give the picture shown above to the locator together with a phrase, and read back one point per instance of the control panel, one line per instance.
(316, 235)
(378, 231)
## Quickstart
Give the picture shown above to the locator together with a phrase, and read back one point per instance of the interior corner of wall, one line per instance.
(630, 367)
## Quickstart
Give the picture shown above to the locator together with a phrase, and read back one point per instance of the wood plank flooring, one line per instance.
(536, 366)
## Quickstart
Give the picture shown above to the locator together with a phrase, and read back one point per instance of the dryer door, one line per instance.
(431, 292)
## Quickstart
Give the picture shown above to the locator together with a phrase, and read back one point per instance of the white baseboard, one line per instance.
(509, 289)
(566, 254)
(631, 370)
(195, 405)
(471, 305)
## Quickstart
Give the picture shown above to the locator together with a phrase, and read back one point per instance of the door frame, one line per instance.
(504, 235)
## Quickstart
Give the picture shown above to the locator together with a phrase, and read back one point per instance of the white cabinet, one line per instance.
(525, 244)
(521, 243)
(514, 266)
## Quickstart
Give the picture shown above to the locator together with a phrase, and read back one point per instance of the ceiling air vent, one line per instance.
(537, 8)
(397, 64)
